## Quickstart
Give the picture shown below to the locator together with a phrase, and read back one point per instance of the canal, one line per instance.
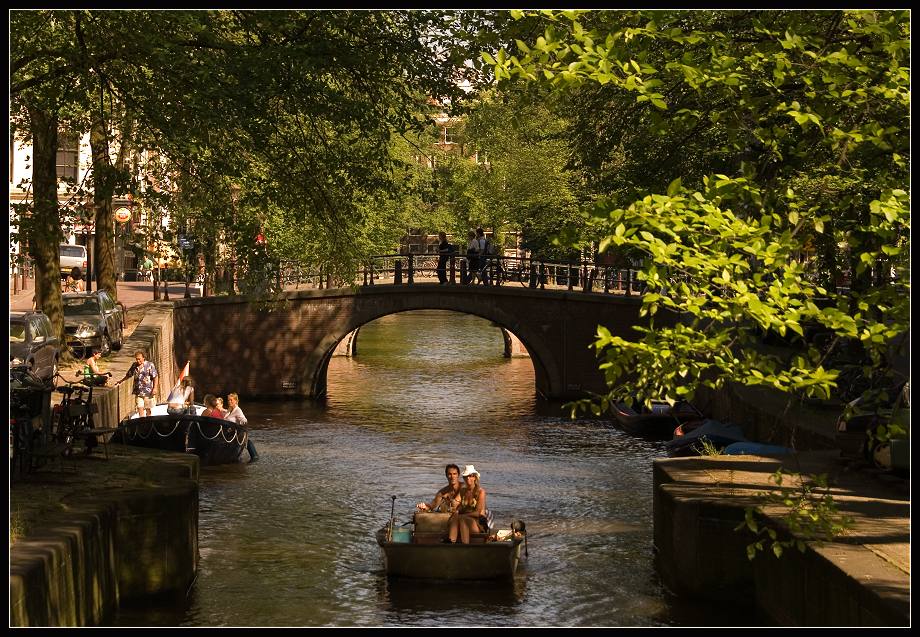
(288, 541)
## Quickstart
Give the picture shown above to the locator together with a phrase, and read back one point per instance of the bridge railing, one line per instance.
(408, 269)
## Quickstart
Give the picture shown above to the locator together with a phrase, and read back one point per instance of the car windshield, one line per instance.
(17, 332)
(80, 305)
(72, 251)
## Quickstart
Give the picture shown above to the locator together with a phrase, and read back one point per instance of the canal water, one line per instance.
(289, 540)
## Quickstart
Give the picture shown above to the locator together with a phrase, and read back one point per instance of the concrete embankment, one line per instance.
(97, 532)
(88, 532)
(860, 578)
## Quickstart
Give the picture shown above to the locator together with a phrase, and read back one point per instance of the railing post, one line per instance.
(464, 275)
(606, 279)
(411, 269)
(365, 275)
(453, 269)
(397, 272)
(542, 275)
(628, 282)
(573, 272)
(585, 283)
(533, 275)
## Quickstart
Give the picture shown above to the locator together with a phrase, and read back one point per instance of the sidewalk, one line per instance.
(131, 293)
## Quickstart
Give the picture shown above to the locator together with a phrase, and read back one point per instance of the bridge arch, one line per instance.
(316, 367)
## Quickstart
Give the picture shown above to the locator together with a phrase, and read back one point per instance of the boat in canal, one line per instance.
(418, 551)
(659, 421)
(213, 440)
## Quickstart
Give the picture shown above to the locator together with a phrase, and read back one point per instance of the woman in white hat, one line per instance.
(470, 516)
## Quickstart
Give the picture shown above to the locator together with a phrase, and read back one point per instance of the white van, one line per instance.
(72, 256)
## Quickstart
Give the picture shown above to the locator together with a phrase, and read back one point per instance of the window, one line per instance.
(35, 328)
(68, 156)
(447, 139)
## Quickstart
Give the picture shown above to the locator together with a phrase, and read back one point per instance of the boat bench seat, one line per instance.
(431, 528)
(436, 538)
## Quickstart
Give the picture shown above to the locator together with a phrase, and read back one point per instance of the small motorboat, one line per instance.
(214, 440)
(713, 432)
(657, 422)
(418, 550)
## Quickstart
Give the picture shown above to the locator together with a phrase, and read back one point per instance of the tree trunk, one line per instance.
(43, 231)
(103, 188)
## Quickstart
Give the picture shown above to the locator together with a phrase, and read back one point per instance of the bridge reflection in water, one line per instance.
(289, 541)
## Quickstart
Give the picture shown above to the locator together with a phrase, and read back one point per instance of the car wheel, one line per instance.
(106, 345)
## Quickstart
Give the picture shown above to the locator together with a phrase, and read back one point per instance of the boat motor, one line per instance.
(518, 526)
(392, 519)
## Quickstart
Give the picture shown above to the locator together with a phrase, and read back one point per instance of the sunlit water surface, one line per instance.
(289, 540)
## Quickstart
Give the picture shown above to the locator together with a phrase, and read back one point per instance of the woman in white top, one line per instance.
(181, 398)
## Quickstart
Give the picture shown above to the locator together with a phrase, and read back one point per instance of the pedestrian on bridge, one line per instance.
(472, 257)
(444, 252)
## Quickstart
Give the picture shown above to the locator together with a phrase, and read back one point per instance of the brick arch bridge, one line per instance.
(283, 348)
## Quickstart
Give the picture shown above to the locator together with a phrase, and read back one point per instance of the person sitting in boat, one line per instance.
(211, 408)
(471, 516)
(181, 398)
(235, 414)
(445, 498)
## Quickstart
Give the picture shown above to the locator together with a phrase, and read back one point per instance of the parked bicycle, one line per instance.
(27, 393)
(74, 416)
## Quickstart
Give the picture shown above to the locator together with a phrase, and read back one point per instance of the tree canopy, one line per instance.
(748, 155)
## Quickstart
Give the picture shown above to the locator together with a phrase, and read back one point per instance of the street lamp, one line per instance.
(234, 198)
(85, 218)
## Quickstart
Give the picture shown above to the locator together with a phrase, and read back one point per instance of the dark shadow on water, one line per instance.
(450, 597)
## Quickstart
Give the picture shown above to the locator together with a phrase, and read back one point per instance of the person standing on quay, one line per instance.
(444, 250)
(236, 415)
(145, 382)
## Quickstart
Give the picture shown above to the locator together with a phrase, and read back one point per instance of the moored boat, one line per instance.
(419, 551)
(213, 440)
(657, 422)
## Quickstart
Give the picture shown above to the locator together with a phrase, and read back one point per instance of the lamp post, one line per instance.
(234, 198)
(89, 249)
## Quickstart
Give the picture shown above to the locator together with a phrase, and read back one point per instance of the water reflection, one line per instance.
(289, 541)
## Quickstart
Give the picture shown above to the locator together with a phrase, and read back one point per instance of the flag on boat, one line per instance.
(182, 374)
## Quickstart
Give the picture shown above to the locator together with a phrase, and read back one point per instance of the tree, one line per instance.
(297, 106)
(808, 112)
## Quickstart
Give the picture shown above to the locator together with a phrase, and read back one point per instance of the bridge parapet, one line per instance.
(492, 270)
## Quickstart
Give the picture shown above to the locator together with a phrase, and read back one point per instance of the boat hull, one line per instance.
(657, 424)
(484, 561)
(213, 440)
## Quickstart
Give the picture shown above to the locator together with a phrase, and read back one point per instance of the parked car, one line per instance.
(93, 319)
(33, 344)
(72, 256)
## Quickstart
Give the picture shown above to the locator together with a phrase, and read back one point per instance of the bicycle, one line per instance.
(74, 415)
(513, 270)
(27, 391)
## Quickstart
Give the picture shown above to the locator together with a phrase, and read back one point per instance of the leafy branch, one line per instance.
(811, 515)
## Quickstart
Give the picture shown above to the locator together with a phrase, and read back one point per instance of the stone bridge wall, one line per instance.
(283, 348)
